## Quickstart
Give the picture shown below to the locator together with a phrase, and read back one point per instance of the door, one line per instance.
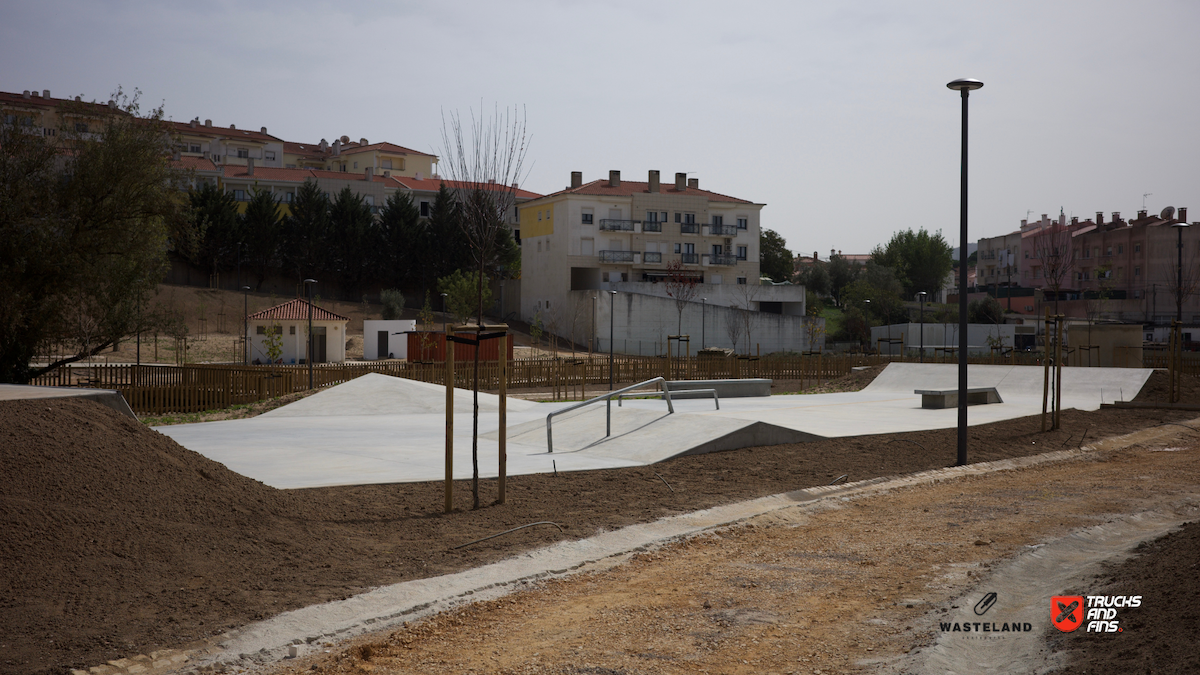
(382, 349)
(318, 344)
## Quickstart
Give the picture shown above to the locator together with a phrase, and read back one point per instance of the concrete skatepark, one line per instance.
(380, 429)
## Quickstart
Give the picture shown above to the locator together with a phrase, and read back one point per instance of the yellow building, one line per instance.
(38, 113)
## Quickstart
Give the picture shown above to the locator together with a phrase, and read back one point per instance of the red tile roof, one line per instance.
(306, 150)
(38, 101)
(221, 132)
(434, 184)
(353, 148)
(267, 173)
(628, 188)
(195, 163)
(295, 310)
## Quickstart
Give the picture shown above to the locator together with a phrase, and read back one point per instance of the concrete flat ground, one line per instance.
(380, 429)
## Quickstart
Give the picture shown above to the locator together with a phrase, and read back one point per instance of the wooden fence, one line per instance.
(160, 389)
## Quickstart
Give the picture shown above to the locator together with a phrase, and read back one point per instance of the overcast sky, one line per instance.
(834, 115)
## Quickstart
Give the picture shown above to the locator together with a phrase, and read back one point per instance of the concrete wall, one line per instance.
(1117, 346)
(397, 347)
(727, 295)
(941, 335)
(641, 324)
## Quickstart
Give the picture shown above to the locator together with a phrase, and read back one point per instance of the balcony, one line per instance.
(651, 226)
(723, 259)
(652, 257)
(689, 228)
(722, 230)
(613, 225)
(615, 257)
(689, 258)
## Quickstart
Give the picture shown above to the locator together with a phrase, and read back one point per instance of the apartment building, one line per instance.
(619, 235)
(38, 113)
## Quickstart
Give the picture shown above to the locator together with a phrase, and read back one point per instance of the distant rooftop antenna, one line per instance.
(1144, 199)
(1027, 212)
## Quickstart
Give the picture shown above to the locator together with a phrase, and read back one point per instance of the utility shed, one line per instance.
(290, 321)
(386, 339)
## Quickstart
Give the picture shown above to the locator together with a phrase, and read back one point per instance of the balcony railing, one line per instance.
(616, 256)
(651, 257)
(722, 230)
(613, 225)
(651, 226)
(689, 228)
(689, 258)
(726, 259)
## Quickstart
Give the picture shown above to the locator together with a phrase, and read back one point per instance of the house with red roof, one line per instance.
(290, 322)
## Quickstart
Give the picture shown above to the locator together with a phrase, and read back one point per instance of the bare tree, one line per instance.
(578, 311)
(484, 161)
(682, 286)
(1052, 247)
(748, 293)
(733, 326)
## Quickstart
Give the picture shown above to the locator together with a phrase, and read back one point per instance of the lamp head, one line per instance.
(310, 281)
(967, 83)
(613, 292)
(1179, 224)
(245, 288)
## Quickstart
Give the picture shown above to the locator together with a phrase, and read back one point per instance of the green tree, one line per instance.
(262, 224)
(393, 303)
(815, 278)
(919, 259)
(351, 242)
(775, 260)
(842, 273)
(985, 310)
(306, 233)
(85, 221)
(448, 254)
(460, 291)
(215, 216)
(404, 244)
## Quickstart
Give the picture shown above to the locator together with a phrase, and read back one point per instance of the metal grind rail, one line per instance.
(607, 397)
(659, 394)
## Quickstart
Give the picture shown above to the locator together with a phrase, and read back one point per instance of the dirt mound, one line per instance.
(1158, 387)
(1158, 637)
(101, 516)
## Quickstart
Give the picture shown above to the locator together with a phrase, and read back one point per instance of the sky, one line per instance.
(834, 115)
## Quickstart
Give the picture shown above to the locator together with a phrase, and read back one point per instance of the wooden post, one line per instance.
(503, 363)
(449, 424)
(1058, 323)
(1046, 369)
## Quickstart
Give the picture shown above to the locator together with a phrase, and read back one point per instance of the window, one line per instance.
(269, 155)
(50, 132)
(662, 216)
(1120, 248)
(689, 218)
(718, 220)
(80, 127)
(243, 153)
(386, 164)
(679, 248)
(741, 252)
(288, 197)
(716, 249)
(424, 209)
(1137, 271)
(291, 330)
(586, 218)
(689, 249)
(1137, 248)
(194, 148)
(10, 119)
(604, 276)
(743, 223)
(539, 215)
(239, 195)
(356, 165)
(1137, 294)
(741, 281)
(369, 199)
(678, 216)
(260, 330)
(539, 247)
(1108, 251)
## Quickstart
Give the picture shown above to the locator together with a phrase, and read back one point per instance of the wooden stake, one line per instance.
(1046, 374)
(1058, 323)
(503, 417)
(449, 424)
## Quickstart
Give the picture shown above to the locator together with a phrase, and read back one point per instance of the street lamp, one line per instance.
(1179, 272)
(921, 297)
(592, 340)
(964, 86)
(703, 307)
(612, 313)
(245, 325)
(867, 320)
(308, 293)
(445, 327)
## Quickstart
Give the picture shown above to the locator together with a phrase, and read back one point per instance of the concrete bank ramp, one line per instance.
(1082, 388)
(645, 436)
(377, 394)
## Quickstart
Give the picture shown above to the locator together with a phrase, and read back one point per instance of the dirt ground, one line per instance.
(843, 587)
(119, 541)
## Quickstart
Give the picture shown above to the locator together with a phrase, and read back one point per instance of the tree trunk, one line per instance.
(475, 387)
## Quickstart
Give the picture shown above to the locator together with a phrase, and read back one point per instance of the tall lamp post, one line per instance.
(867, 319)
(1179, 272)
(245, 325)
(445, 324)
(964, 86)
(703, 307)
(308, 293)
(612, 313)
(921, 297)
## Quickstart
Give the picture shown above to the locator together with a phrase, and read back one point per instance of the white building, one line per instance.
(386, 339)
(290, 321)
(622, 235)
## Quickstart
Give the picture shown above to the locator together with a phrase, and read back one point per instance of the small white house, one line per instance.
(290, 320)
(386, 339)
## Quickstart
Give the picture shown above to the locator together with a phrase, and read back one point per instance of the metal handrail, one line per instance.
(659, 394)
(605, 397)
